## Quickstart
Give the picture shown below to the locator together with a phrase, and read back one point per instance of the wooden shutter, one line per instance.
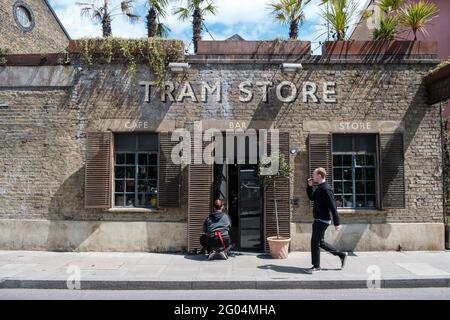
(392, 171)
(97, 188)
(282, 191)
(168, 174)
(199, 198)
(320, 154)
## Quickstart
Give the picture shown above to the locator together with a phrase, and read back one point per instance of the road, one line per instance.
(348, 294)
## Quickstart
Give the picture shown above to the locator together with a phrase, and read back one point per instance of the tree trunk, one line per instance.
(106, 27)
(106, 21)
(152, 24)
(197, 28)
(276, 209)
(293, 32)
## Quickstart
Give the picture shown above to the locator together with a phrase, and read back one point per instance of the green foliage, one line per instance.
(3, 56)
(186, 11)
(339, 16)
(386, 28)
(156, 53)
(289, 12)
(416, 15)
(267, 173)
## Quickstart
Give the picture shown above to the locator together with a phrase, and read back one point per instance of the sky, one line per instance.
(251, 19)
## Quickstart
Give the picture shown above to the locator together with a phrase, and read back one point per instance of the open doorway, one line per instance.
(239, 187)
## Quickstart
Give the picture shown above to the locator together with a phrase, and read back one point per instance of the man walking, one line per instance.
(324, 203)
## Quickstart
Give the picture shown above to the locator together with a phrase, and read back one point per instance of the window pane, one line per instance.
(359, 173)
(143, 159)
(119, 200)
(142, 185)
(347, 160)
(337, 173)
(370, 201)
(370, 173)
(142, 172)
(338, 187)
(337, 160)
(130, 158)
(348, 187)
(348, 202)
(359, 159)
(152, 172)
(120, 158)
(370, 187)
(153, 186)
(147, 142)
(119, 172)
(130, 172)
(125, 142)
(365, 142)
(360, 187)
(119, 186)
(153, 159)
(130, 185)
(338, 201)
(348, 174)
(143, 200)
(360, 201)
(342, 143)
(130, 200)
(153, 200)
(370, 160)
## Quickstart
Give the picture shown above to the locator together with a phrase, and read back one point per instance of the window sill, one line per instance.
(360, 211)
(132, 210)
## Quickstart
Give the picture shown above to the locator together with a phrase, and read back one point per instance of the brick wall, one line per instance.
(46, 37)
(43, 132)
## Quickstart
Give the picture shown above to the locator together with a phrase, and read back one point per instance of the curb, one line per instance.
(224, 285)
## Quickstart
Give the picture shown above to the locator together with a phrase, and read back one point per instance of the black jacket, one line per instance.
(217, 221)
(324, 202)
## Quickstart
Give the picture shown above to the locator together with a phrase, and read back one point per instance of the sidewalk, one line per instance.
(133, 271)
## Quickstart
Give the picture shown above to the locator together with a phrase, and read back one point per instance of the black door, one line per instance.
(250, 209)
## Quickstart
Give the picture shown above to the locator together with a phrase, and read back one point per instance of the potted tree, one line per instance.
(270, 169)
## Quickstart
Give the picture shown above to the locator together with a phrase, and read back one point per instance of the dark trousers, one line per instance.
(213, 243)
(317, 242)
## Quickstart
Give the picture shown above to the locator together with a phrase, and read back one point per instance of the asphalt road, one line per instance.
(348, 294)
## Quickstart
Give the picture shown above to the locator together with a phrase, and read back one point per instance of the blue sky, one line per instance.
(249, 18)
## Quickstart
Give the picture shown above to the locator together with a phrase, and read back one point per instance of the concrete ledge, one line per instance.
(375, 237)
(224, 285)
(59, 235)
(42, 76)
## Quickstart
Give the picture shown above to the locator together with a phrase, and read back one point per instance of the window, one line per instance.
(355, 170)
(23, 15)
(136, 170)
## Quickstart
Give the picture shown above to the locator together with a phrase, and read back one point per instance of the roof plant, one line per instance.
(291, 13)
(102, 12)
(157, 9)
(339, 15)
(416, 15)
(196, 9)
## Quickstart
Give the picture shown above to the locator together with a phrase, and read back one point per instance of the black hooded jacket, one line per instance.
(217, 221)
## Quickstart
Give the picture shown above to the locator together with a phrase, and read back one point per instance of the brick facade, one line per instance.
(43, 132)
(47, 35)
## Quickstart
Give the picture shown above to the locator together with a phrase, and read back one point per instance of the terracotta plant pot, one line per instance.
(379, 47)
(447, 237)
(279, 248)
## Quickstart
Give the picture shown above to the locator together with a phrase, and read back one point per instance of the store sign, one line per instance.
(285, 91)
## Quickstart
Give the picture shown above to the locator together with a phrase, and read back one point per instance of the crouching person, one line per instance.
(215, 238)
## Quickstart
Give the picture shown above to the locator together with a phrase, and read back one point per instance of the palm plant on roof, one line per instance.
(103, 13)
(290, 12)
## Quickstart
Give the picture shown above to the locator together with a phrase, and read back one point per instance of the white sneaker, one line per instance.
(212, 255)
(223, 255)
